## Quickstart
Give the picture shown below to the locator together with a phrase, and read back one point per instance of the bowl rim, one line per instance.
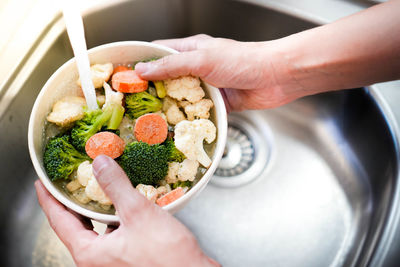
(221, 117)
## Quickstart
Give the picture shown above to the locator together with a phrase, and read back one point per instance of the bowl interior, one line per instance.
(63, 83)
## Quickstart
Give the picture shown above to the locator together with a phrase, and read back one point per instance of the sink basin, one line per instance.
(308, 184)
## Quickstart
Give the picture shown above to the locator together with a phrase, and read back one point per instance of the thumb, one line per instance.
(116, 185)
(173, 66)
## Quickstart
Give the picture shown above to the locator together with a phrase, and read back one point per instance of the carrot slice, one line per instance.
(128, 82)
(170, 197)
(120, 68)
(105, 143)
(151, 128)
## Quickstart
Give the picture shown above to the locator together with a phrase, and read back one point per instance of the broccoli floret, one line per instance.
(174, 153)
(93, 121)
(144, 163)
(182, 184)
(61, 158)
(138, 104)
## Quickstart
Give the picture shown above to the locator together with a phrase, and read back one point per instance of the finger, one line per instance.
(226, 101)
(239, 100)
(110, 229)
(185, 44)
(68, 227)
(85, 221)
(173, 66)
(118, 188)
(236, 99)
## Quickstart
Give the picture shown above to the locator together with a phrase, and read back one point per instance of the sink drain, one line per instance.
(247, 152)
(238, 155)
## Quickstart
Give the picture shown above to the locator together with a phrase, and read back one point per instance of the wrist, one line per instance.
(302, 69)
(282, 70)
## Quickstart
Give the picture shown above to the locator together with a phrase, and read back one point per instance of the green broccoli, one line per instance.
(61, 158)
(182, 184)
(93, 121)
(144, 163)
(138, 104)
(174, 153)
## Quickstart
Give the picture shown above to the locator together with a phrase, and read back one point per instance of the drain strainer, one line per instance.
(238, 155)
(247, 152)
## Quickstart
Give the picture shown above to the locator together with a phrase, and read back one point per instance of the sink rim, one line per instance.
(386, 233)
(384, 236)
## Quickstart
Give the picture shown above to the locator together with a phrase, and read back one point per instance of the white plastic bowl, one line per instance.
(63, 83)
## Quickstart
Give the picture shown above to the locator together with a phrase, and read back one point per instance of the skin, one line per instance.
(355, 51)
(147, 235)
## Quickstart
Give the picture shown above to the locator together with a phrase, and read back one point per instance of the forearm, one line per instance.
(359, 50)
(355, 51)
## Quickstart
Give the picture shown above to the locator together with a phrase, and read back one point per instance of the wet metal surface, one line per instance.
(320, 198)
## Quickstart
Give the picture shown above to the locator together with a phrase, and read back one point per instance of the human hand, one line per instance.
(259, 75)
(250, 74)
(147, 235)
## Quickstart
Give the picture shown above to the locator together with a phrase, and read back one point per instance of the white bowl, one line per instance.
(63, 83)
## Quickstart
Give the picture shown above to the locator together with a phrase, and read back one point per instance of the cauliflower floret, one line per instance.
(183, 104)
(189, 136)
(174, 115)
(172, 175)
(188, 170)
(199, 110)
(84, 173)
(73, 185)
(186, 87)
(81, 196)
(184, 171)
(94, 192)
(162, 190)
(67, 110)
(172, 111)
(100, 73)
(112, 97)
(148, 191)
(167, 102)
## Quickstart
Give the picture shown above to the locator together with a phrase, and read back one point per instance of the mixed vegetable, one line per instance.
(155, 130)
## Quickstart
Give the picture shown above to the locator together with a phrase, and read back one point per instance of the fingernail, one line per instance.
(37, 183)
(99, 163)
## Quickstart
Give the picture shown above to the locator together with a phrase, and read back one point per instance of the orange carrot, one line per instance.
(151, 128)
(105, 143)
(120, 68)
(128, 82)
(170, 197)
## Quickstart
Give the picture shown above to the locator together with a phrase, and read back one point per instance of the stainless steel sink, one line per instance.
(309, 184)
